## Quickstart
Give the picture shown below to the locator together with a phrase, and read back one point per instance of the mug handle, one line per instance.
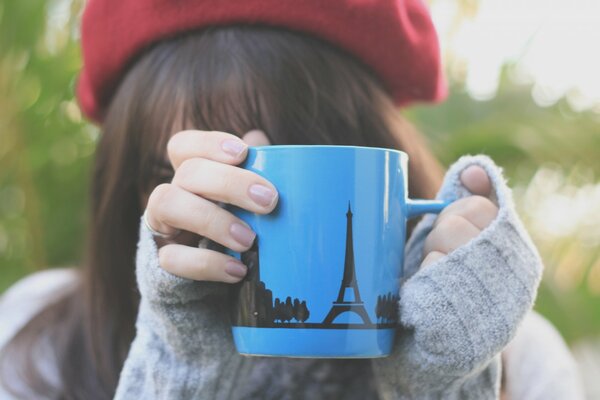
(416, 207)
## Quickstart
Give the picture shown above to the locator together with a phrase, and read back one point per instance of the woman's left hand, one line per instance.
(462, 220)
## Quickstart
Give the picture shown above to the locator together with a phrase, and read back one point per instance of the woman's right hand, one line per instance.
(205, 172)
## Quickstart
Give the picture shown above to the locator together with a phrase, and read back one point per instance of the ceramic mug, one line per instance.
(324, 271)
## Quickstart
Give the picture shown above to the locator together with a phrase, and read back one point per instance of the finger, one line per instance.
(478, 210)
(171, 207)
(227, 183)
(256, 137)
(476, 180)
(200, 264)
(214, 145)
(431, 258)
(453, 232)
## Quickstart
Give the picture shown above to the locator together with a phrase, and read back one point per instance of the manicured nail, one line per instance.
(235, 269)
(233, 147)
(262, 195)
(243, 235)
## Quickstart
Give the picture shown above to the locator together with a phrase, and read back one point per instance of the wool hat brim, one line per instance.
(395, 38)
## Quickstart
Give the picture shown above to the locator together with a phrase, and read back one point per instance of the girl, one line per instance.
(181, 89)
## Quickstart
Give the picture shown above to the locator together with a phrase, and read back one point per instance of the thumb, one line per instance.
(476, 180)
(256, 137)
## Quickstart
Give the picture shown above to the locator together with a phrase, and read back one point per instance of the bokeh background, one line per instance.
(525, 89)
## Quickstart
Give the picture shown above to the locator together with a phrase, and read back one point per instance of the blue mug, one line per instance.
(324, 271)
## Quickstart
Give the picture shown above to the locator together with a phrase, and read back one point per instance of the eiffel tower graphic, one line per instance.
(348, 281)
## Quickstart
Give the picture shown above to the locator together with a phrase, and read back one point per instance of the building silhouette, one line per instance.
(252, 301)
(253, 304)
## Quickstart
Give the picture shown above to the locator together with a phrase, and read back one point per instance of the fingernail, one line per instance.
(243, 235)
(233, 147)
(235, 269)
(262, 195)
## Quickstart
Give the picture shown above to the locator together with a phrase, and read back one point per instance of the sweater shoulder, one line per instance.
(20, 303)
(28, 296)
(539, 364)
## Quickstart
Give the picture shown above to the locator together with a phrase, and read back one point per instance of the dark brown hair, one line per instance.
(296, 88)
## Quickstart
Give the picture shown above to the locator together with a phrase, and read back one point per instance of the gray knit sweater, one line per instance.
(456, 316)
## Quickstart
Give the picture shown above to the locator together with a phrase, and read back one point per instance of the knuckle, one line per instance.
(435, 254)
(227, 189)
(432, 256)
(206, 220)
(431, 241)
(167, 258)
(160, 198)
(186, 171)
(175, 144)
(203, 266)
(182, 144)
(480, 211)
(229, 185)
(479, 203)
(451, 224)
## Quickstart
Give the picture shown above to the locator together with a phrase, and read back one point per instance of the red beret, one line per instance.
(395, 38)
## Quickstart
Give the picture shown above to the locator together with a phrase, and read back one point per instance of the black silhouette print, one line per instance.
(386, 309)
(253, 304)
(349, 281)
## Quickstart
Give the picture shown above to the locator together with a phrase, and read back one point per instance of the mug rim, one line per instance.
(328, 146)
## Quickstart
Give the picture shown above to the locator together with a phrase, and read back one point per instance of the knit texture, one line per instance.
(456, 315)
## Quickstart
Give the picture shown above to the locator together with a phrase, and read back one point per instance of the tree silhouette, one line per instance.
(302, 314)
(386, 309)
(296, 308)
(253, 303)
(378, 308)
(288, 310)
(277, 311)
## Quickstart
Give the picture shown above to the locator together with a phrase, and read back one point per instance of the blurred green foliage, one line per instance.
(46, 151)
(45, 147)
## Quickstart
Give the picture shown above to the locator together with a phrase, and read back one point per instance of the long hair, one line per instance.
(296, 88)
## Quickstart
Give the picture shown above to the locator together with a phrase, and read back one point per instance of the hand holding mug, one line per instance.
(206, 173)
(462, 220)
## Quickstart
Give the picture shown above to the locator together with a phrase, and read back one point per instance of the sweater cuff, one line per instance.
(465, 307)
(458, 313)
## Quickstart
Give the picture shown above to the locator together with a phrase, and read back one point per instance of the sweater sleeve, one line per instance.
(457, 314)
(183, 346)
